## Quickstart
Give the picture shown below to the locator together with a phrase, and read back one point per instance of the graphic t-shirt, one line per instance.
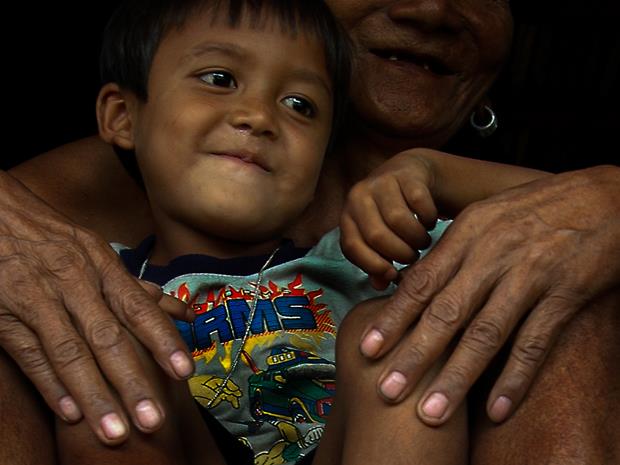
(280, 393)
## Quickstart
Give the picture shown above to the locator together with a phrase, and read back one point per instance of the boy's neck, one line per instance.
(172, 242)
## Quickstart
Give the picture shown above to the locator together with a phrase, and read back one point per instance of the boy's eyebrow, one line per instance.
(310, 76)
(208, 47)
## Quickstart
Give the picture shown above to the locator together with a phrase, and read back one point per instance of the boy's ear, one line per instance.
(114, 116)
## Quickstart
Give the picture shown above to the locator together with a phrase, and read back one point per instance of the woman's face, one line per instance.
(422, 65)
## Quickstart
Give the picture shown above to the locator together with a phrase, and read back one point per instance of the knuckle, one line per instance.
(86, 238)
(515, 381)
(69, 352)
(469, 213)
(444, 313)
(375, 237)
(395, 319)
(397, 218)
(62, 258)
(32, 359)
(24, 292)
(456, 379)
(538, 256)
(97, 247)
(417, 192)
(483, 336)
(412, 356)
(8, 323)
(420, 284)
(531, 350)
(138, 310)
(358, 193)
(17, 269)
(135, 387)
(98, 403)
(105, 335)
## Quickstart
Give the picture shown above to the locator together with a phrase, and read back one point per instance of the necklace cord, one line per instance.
(248, 325)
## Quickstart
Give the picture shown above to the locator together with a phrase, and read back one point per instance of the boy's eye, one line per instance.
(300, 105)
(219, 79)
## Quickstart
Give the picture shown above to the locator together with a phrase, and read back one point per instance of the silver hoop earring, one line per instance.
(488, 128)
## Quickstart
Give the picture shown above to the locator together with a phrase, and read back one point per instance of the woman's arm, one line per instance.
(530, 257)
(86, 182)
(64, 294)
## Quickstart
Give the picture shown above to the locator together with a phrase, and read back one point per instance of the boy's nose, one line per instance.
(255, 117)
(427, 14)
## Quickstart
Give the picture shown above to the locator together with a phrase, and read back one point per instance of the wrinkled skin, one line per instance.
(502, 253)
(464, 42)
(58, 349)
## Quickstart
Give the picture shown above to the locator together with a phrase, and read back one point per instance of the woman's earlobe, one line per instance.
(114, 117)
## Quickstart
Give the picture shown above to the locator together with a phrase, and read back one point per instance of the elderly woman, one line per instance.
(545, 254)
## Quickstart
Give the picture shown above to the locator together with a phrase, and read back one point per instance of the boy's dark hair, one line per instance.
(135, 30)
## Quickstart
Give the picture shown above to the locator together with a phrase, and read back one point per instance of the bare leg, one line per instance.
(364, 429)
(572, 413)
(26, 436)
(183, 440)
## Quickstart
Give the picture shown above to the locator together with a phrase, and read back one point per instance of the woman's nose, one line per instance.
(427, 14)
(254, 116)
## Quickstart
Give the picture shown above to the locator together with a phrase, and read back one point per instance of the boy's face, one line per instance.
(231, 139)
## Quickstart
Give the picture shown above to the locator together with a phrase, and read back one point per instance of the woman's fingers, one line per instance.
(530, 349)
(24, 346)
(416, 290)
(429, 338)
(108, 341)
(482, 339)
(67, 293)
(539, 249)
(141, 315)
(174, 307)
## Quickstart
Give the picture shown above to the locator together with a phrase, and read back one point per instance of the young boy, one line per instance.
(229, 107)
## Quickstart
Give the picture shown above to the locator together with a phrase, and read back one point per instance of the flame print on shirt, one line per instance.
(222, 317)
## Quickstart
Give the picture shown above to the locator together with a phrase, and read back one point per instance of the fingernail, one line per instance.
(500, 408)
(371, 344)
(181, 364)
(393, 385)
(69, 409)
(435, 405)
(112, 426)
(148, 414)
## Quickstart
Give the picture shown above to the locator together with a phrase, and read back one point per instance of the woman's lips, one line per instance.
(426, 62)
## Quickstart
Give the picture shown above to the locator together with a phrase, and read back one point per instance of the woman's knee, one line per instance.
(25, 418)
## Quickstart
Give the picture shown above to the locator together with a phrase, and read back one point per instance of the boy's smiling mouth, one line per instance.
(244, 156)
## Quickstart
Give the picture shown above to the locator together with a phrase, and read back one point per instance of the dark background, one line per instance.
(557, 99)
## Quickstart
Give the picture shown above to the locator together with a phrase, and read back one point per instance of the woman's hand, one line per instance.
(64, 295)
(537, 253)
